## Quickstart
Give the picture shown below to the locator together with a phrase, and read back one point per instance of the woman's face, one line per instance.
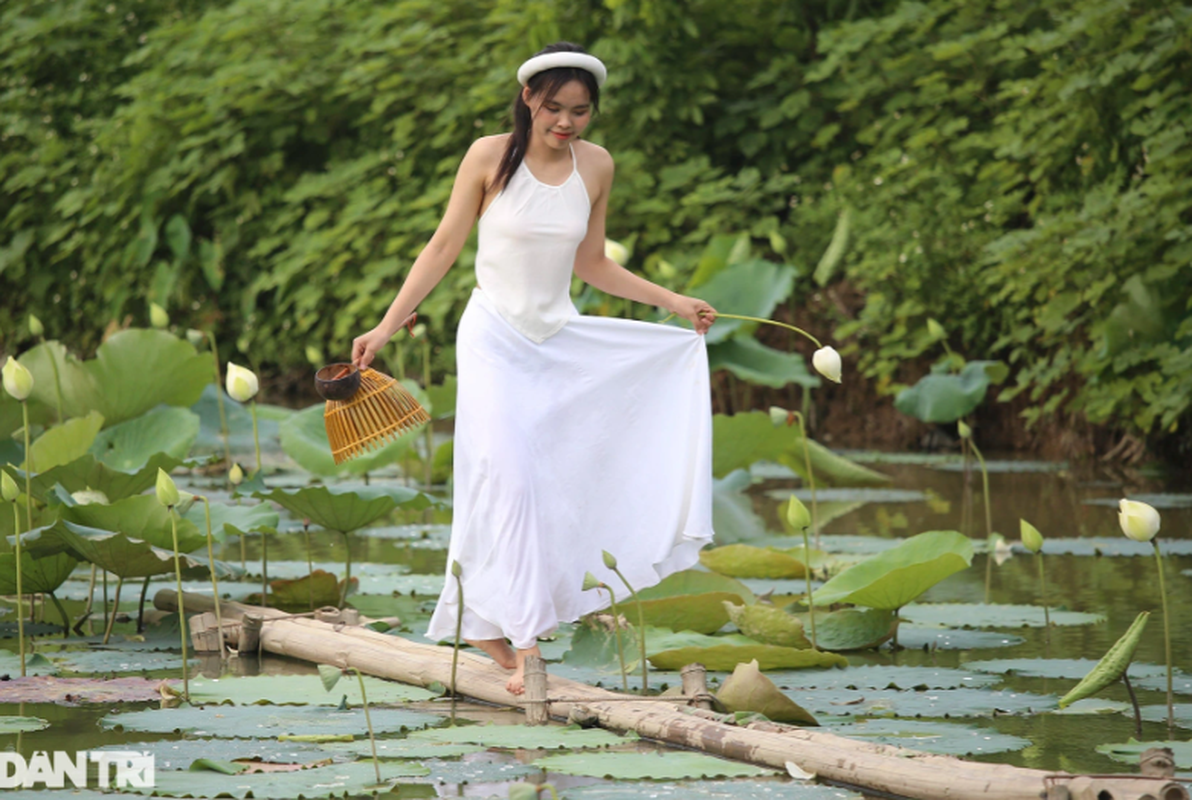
(562, 118)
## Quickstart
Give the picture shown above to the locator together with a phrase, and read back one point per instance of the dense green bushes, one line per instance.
(270, 169)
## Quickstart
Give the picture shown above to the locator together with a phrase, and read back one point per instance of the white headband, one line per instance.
(551, 60)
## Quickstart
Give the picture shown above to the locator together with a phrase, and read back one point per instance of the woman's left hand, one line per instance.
(699, 313)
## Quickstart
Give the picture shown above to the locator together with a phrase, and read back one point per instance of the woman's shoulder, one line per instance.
(593, 154)
(489, 147)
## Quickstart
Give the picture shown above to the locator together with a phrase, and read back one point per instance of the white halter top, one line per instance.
(528, 236)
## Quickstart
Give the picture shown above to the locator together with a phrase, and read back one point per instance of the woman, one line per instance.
(574, 434)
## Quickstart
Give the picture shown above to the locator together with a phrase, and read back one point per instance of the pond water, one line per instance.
(987, 680)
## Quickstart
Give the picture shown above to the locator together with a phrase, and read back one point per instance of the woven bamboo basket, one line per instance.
(380, 411)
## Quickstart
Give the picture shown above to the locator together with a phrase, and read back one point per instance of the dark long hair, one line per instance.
(547, 83)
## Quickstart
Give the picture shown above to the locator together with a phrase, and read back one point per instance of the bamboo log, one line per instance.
(537, 705)
(876, 768)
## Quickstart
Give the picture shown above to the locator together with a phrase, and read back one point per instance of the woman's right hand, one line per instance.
(364, 348)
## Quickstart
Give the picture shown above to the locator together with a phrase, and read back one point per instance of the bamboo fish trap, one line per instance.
(365, 409)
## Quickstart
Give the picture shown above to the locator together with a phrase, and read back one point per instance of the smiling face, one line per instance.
(558, 120)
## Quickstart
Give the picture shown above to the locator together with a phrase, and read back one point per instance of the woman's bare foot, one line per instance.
(517, 683)
(499, 649)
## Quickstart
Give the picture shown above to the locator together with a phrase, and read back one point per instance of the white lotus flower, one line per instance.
(1138, 520)
(616, 251)
(241, 383)
(827, 363)
(18, 381)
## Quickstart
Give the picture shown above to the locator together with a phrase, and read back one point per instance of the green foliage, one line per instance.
(891, 579)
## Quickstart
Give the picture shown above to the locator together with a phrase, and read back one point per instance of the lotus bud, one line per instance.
(314, 355)
(195, 337)
(616, 251)
(936, 330)
(1138, 520)
(523, 791)
(18, 381)
(609, 561)
(36, 328)
(158, 317)
(235, 475)
(90, 497)
(963, 430)
(797, 514)
(167, 492)
(591, 582)
(8, 488)
(418, 331)
(241, 383)
(1031, 538)
(185, 501)
(780, 416)
(1001, 549)
(827, 363)
(456, 569)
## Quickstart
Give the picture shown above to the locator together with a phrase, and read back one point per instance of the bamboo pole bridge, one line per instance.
(873, 768)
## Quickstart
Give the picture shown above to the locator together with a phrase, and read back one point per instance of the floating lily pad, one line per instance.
(771, 789)
(940, 703)
(894, 578)
(669, 766)
(546, 737)
(883, 677)
(179, 754)
(332, 780)
(1182, 711)
(480, 768)
(943, 738)
(857, 495)
(402, 748)
(97, 662)
(35, 664)
(22, 724)
(726, 657)
(1114, 546)
(1160, 500)
(1064, 668)
(73, 691)
(301, 690)
(1129, 752)
(256, 722)
(1095, 705)
(977, 615)
(993, 465)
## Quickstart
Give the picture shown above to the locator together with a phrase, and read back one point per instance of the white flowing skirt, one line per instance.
(599, 438)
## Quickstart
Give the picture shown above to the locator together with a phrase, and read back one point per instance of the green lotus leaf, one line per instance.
(751, 288)
(405, 748)
(133, 371)
(943, 738)
(733, 517)
(989, 615)
(130, 445)
(723, 658)
(258, 722)
(232, 520)
(64, 443)
(301, 690)
(140, 517)
(176, 755)
(35, 664)
(442, 398)
(88, 473)
(747, 561)
(1129, 752)
(747, 689)
(769, 625)
(740, 440)
(304, 438)
(752, 361)
(38, 575)
(319, 588)
(10, 725)
(946, 397)
(695, 581)
(344, 510)
(668, 766)
(852, 628)
(324, 780)
(702, 613)
(522, 737)
(11, 416)
(118, 553)
(891, 579)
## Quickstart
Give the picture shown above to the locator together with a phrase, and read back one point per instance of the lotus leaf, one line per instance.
(694, 581)
(318, 589)
(769, 625)
(751, 288)
(730, 789)
(1072, 669)
(66, 442)
(266, 722)
(300, 690)
(344, 511)
(133, 371)
(755, 363)
(176, 755)
(130, 445)
(105, 662)
(304, 439)
(896, 577)
(140, 517)
(746, 561)
(38, 575)
(331, 780)
(662, 766)
(442, 398)
(1129, 752)
(943, 738)
(943, 398)
(18, 724)
(233, 520)
(36, 664)
(703, 613)
(979, 615)
(733, 517)
(722, 658)
(402, 748)
(1183, 714)
(747, 689)
(881, 676)
(118, 553)
(938, 703)
(87, 472)
(853, 628)
(591, 646)
(521, 737)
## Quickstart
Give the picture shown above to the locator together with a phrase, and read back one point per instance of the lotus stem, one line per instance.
(810, 483)
(107, 631)
(1133, 702)
(264, 569)
(223, 416)
(105, 598)
(61, 613)
(984, 487)
(799, 331)
(372, 739)
(181, 606)
(214, 580)
(343, 593)
(612, 599)
(141, 605)
(310, 567)
(1166, 640)
(16, 518)
(256, 436)
(1043, 599)
(457, 572)
(641, 624)
(810, 602)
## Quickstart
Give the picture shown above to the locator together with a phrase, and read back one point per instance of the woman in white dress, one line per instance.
(574, 434)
